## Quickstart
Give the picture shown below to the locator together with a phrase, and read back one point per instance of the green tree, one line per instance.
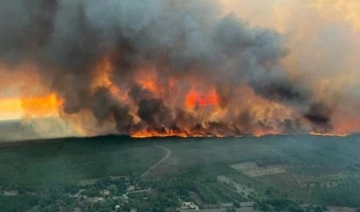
(318, 209)
(236, 204)
(230, 210)
(113, 189)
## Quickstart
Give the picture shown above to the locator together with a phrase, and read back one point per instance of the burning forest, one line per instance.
(159, 68)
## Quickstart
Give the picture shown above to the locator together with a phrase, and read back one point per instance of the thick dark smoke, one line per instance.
(67, 38)
(319, 114)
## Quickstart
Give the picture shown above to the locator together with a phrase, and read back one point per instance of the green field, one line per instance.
(316, 171)
(67, 161)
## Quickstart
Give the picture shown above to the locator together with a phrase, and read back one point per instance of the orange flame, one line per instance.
(28, 96)
(102, 78)
(30, 107)
(147, 134)
(10, 108)
(329, 134)
(261, 133)
(194, 99)
(35, 100)
(41, 106)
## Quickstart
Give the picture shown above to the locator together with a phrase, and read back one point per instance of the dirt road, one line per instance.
(168, 153)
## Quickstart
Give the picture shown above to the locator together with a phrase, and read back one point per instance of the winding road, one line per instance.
(168, 153)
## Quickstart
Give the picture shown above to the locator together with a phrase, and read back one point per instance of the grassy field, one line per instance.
(314, 170)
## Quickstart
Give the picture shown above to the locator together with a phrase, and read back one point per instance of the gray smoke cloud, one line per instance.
(66, 38)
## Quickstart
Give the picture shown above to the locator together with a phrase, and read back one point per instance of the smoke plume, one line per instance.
(161, 67)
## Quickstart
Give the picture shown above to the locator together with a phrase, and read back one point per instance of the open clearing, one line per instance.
(240, 188)
(251, 169)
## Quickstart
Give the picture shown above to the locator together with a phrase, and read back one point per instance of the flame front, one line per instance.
(192, 108)
(183, 69)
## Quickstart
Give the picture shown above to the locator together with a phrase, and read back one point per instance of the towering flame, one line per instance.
(175, 68)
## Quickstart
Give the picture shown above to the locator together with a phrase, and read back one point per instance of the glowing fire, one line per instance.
(213, 77)
(28, 96)
(261, 133)
(205, 110)
(148, 81)
(40, 106)
(10, 108)
(146, 134)
(195, 99)
(30, 107)
(329, 134)
(202, 101)
(102, 78)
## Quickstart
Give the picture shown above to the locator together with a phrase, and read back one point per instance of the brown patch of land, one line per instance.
(251, 169)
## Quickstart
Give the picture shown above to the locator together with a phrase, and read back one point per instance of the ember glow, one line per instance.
(174, 68)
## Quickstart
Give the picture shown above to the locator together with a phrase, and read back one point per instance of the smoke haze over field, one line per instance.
(166, 67)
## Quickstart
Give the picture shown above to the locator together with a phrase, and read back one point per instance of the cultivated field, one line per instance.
(251, 169)
(292, 170)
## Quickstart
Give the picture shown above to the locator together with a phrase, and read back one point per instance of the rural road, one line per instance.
(168, 153)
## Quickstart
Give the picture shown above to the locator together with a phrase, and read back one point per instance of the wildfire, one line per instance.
(30, 107)
(41, 106)
(147, 134)
(213, 76)
(329, 134)
(103, 72)
(146, 78)
(28, 96)
(261, 133)
(10, 108)
(201, 101)
(195, 99)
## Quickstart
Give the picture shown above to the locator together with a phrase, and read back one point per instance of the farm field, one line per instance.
(296, 173)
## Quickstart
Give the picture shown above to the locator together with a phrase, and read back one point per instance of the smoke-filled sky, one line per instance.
(166, 67)
(323, 37)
